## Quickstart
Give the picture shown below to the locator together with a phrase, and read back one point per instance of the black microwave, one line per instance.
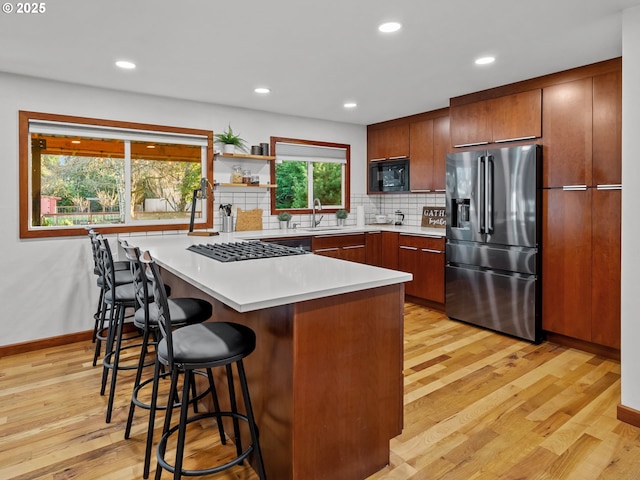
(389, 176)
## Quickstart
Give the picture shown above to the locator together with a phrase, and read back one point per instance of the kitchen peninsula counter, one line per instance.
(326, 375)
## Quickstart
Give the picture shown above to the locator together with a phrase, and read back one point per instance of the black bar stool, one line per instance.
(122, 276)
(118, 297)
(183, 311)
(201, 346)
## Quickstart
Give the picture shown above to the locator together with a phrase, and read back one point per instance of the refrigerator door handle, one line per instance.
(488, 205)
(480, 194)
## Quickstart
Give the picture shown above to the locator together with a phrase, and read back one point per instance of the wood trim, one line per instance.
(607, 352)
(607, 66)
(33, 345)
(628, 415)
(433, 114)
(347, 180)
(430, 304)
(23, 171)
(57, 341)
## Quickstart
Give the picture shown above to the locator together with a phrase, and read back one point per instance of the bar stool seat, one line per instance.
(197, 347)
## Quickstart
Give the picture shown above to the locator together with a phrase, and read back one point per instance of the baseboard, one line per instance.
(607, 352)
(628, 415)
(426, 303)
(34, 345)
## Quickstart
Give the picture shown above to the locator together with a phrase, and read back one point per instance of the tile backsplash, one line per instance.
(409, 204)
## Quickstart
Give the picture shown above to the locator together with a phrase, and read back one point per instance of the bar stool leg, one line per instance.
(216, 406)
(234, 408)
(115, 362)
(173, 395)
(252, 424)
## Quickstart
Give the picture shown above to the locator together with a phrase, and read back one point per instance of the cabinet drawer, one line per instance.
(430, 243)
(338, 241)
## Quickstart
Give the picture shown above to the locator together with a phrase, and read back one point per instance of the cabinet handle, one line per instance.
(398, 157)
(437, 237)
(470, 144)
(326, 250)
(429, 250)
(420, 191)
(612, 186)
(515, 139)
(440, 190)
(377, 159)
(336, 235)
(349, 247)
(570, 188)
(404, 247)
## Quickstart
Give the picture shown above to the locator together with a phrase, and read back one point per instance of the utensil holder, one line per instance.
(227, 224)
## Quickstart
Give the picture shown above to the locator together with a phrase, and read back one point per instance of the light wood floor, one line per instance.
(478, 406)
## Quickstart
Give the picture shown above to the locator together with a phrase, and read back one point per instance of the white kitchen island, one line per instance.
(326, 376)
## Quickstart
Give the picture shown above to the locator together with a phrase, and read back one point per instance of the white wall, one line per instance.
(630, 222)
(46, 285)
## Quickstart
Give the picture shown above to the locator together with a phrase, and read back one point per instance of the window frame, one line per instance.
(347, 175)
(23, 175)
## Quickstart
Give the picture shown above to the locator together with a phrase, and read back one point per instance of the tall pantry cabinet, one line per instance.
(581, 209)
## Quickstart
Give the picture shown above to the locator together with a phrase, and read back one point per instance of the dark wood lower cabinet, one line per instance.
(606, 263)
(424, 258)
(581, 264)
(349, 247)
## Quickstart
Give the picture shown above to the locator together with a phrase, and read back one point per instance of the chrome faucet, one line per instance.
(314, 223)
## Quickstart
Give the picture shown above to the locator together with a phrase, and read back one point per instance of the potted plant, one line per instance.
(341, 215)
(230, 141)
(284, 218)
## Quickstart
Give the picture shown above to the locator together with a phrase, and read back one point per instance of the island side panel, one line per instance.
(269, 372)
(325, 380)
(348, 386)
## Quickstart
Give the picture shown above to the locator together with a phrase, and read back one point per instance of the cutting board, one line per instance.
(248, 220)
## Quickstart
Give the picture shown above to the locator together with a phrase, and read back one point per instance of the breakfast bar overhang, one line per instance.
(326, 375)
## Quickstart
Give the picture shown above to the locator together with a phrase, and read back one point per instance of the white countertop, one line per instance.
(305, 232)
(256, 284)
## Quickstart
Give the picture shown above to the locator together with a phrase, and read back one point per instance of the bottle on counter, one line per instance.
(246, 177)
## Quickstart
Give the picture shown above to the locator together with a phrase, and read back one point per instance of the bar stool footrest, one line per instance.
(206, 471)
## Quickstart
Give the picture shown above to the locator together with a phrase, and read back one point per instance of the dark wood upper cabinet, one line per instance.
(441, 146)
(388, 142)
(470, 124)
(516, 117)
(421, 155)
(607, 129)
(567, 133)
(506, 118)
(429, 143)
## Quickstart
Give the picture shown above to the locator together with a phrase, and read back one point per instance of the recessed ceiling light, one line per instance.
(350, 105)
(125, 64)
(389, 27)
(485, 60)
(261, 90)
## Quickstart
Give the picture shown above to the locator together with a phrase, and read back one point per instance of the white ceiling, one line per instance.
(313, 55)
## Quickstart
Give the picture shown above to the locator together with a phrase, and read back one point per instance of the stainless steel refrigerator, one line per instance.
(493, 239)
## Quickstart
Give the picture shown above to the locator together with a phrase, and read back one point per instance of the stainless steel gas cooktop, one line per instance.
(237, 251)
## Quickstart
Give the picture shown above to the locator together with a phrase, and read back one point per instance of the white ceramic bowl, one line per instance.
(381, 219)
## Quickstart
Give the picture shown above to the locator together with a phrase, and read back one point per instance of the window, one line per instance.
(305, 170)
(77, 172)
